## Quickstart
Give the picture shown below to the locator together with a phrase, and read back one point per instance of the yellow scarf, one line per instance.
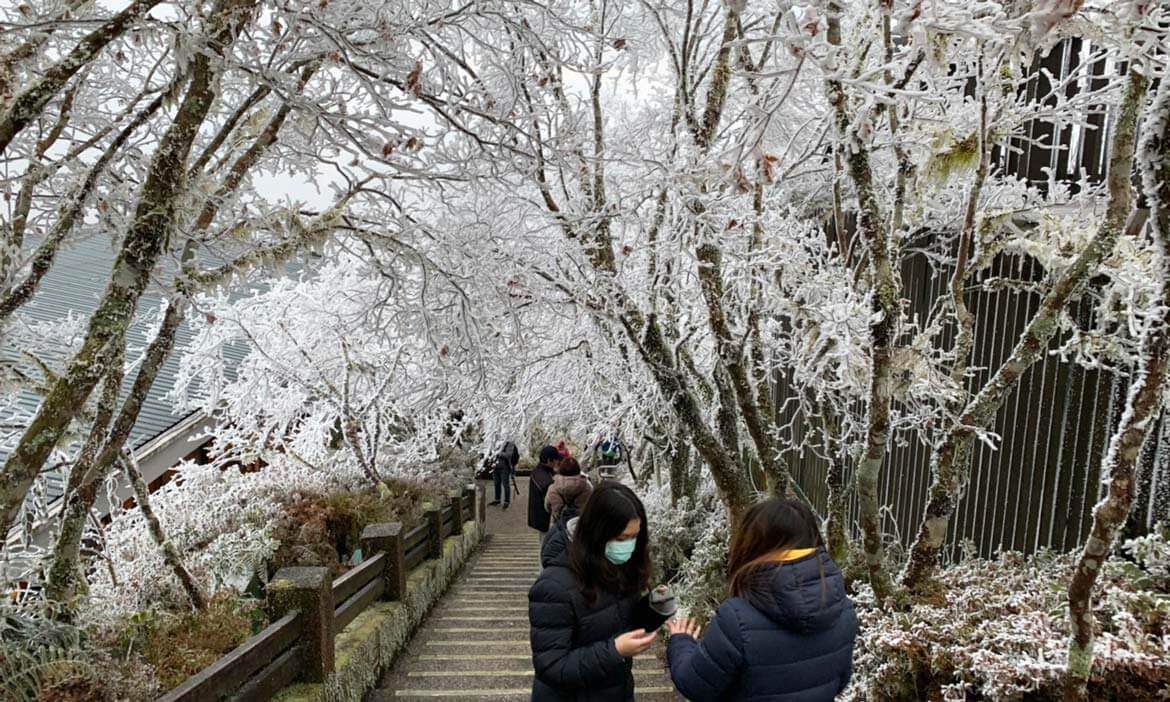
(787, 556)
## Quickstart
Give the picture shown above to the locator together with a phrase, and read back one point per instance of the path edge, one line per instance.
(368, 647)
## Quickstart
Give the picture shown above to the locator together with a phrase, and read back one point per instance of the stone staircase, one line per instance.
(474, 644)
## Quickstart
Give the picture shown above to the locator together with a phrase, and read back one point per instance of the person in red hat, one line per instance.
(563, 450)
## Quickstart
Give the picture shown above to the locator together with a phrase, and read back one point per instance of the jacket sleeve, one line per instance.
(553, 502)
(557, 663)
(703, 670)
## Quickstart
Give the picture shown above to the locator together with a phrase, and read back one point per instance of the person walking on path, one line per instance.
(587, 613)
(787, 632)
(608, 454)
(506, 461)
(538, 485)
(570, 490)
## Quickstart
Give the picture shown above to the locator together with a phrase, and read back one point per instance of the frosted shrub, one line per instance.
(690, 542)
(1152, 553)
(997, 630)
(222, 520)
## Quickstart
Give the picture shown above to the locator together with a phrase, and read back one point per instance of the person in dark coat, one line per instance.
(538, 484)
(587, 613)
(787, 631)
(506, 461)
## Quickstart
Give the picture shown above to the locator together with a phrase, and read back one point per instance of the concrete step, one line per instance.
(655, 693)
(466, 631)
(471, 610)
(454, 646)
(502, 676)
(510, 619)
(487, 597)
(508, 659)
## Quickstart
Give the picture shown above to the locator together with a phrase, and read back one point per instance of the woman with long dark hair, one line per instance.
(587, 610)
(788, 629)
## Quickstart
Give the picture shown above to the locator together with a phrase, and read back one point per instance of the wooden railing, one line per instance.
(308, 608)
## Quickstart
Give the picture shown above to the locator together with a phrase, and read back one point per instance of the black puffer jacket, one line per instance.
(573, 647)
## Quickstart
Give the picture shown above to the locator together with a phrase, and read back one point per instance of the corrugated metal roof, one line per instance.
(74, 286)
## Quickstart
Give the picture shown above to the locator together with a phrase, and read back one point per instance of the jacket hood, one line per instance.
(804, 596)
(572, 484)
(555, 551)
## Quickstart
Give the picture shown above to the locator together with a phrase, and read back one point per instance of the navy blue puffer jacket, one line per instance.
(791, 640)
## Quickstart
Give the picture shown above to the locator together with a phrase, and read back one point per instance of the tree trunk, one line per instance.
(729, 475)
(92, 467)
(27, 106)
(171, 554)
(732, 359)
(836, 527)
(887, 290)
(952, 457)
(711, 278)
(1141, 409)
(61, 584)
(680, 468)
(153, 221)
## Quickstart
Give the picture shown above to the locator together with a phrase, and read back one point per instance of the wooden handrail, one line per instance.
(274, 658)
(349, 610)
(416, 536)
(357, 578)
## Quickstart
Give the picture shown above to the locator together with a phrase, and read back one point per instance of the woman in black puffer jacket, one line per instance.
(786, 633)
(587, 612)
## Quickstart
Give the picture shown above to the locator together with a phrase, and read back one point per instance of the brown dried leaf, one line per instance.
(414, 79)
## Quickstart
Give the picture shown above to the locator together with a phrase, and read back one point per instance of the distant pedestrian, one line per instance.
(608, 455)
(563, 449)
(506, 461)
(587, 610)
(570, 490)
(787, 631)
(538, 485)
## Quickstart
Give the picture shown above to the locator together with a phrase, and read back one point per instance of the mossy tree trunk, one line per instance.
(887, 288)
(147, 237)
(93, 466)
(1142, 407)
(746, 405)
(951, 458)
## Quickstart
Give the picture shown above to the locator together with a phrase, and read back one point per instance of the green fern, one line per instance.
(35, 653)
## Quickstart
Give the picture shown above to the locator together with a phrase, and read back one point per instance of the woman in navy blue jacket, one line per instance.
(786, 634)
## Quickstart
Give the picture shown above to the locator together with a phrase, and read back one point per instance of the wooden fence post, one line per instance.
(481, 504)
(457, 508)
(309, 590)
(469, 502)
(387, 539)
(433, 516)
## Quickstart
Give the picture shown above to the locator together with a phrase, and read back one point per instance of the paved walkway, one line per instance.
(474, 644)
